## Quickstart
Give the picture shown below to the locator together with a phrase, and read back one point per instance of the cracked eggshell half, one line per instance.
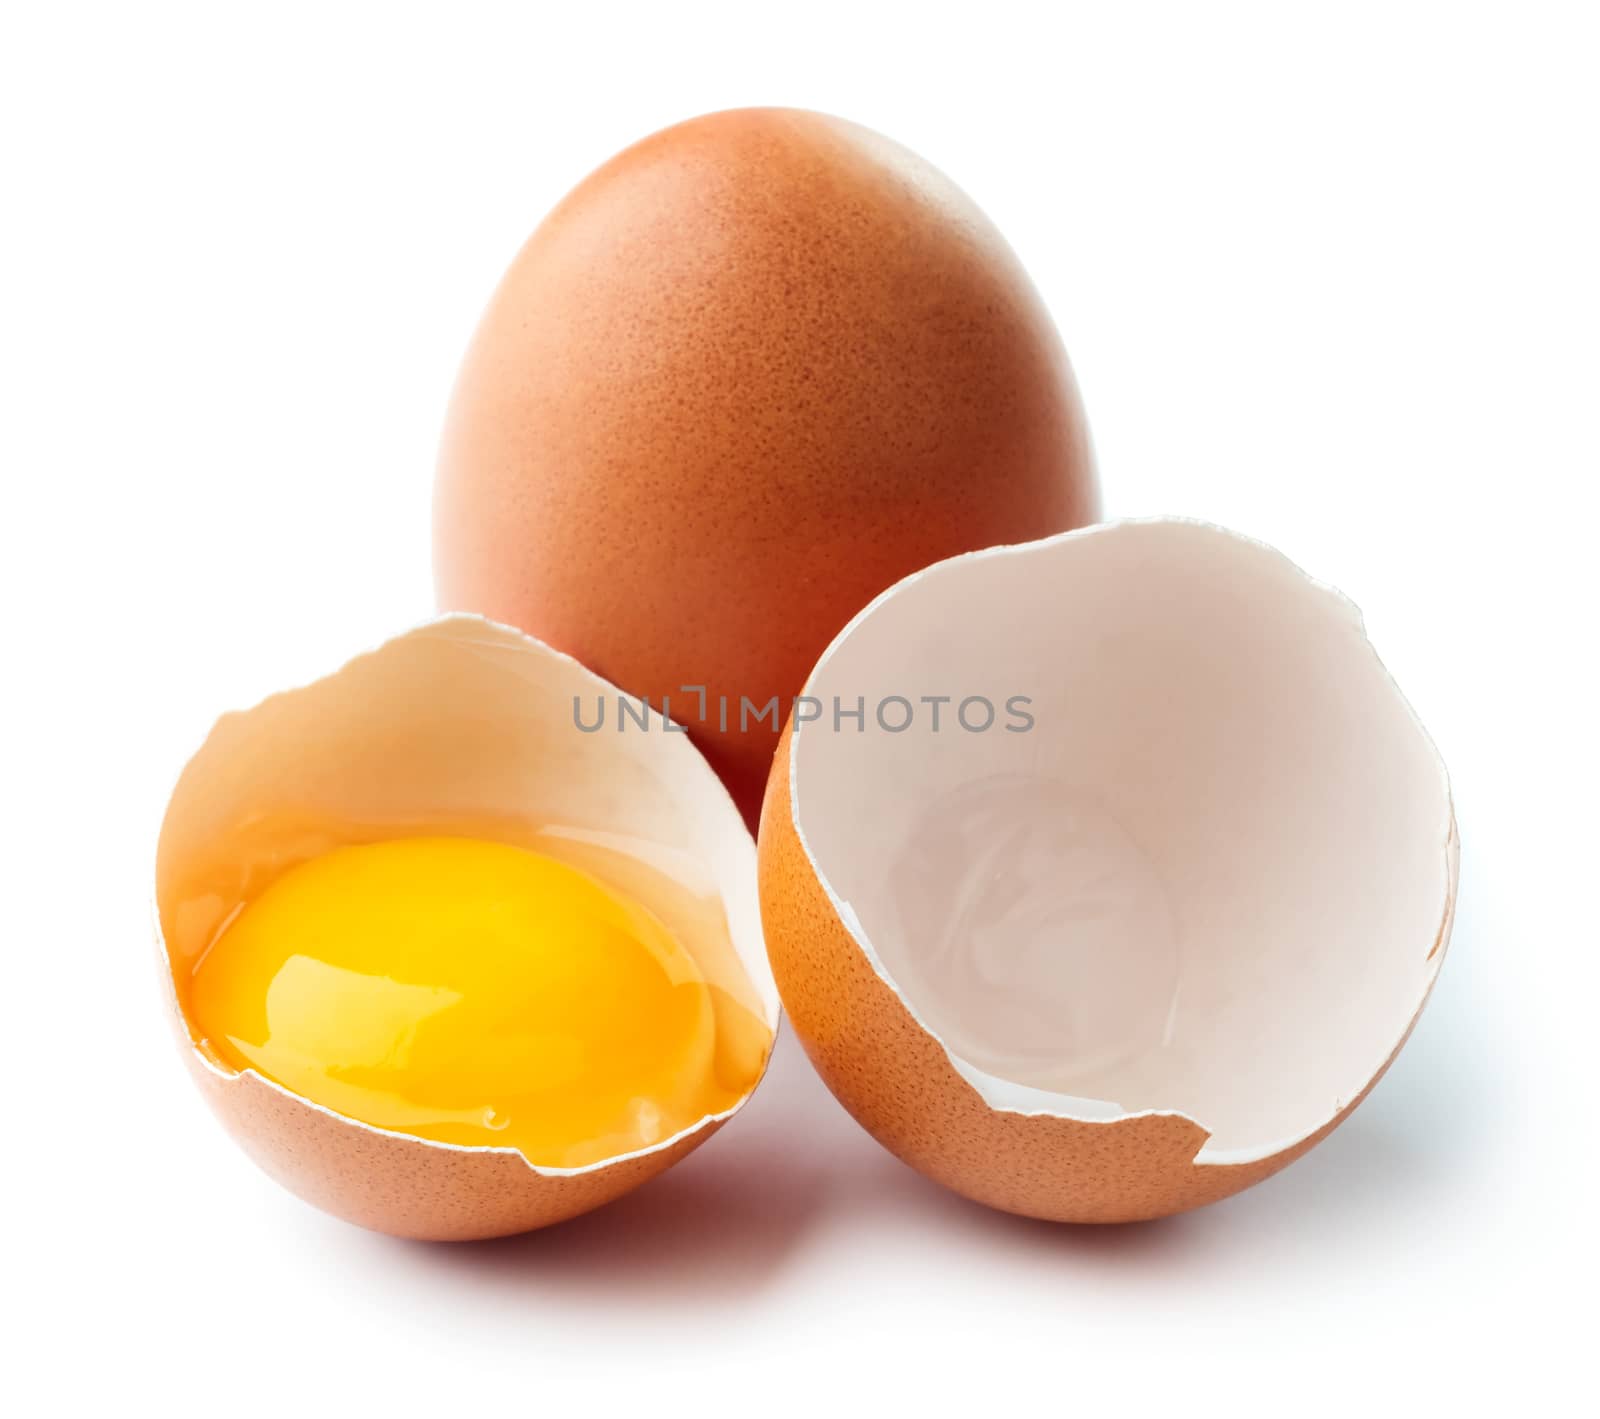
(459, 721)
(1102, 876)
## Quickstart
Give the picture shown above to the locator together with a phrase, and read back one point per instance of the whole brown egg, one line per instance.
(747, 375)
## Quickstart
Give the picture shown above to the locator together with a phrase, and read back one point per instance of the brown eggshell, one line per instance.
(900, 1080)
(459, 721)
(749, 373)
(409, 1187)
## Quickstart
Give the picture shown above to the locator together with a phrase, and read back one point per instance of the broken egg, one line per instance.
(1103, 875)
(445, 962)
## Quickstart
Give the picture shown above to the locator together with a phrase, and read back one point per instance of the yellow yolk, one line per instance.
(467, 992)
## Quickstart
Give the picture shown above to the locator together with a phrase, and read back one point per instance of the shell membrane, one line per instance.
(1146, 948)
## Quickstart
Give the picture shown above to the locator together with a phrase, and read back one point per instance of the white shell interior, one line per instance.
(462, 721)
(1200, 860)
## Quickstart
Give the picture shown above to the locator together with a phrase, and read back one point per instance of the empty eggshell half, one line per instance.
(460, 721)
(1102, 876)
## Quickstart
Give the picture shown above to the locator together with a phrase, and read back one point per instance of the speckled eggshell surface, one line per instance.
(407, 1186)
(749, 373)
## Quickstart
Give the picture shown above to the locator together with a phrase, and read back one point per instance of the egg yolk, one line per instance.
(467, 992)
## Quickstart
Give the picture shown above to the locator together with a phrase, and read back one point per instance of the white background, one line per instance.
(1330, 279)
